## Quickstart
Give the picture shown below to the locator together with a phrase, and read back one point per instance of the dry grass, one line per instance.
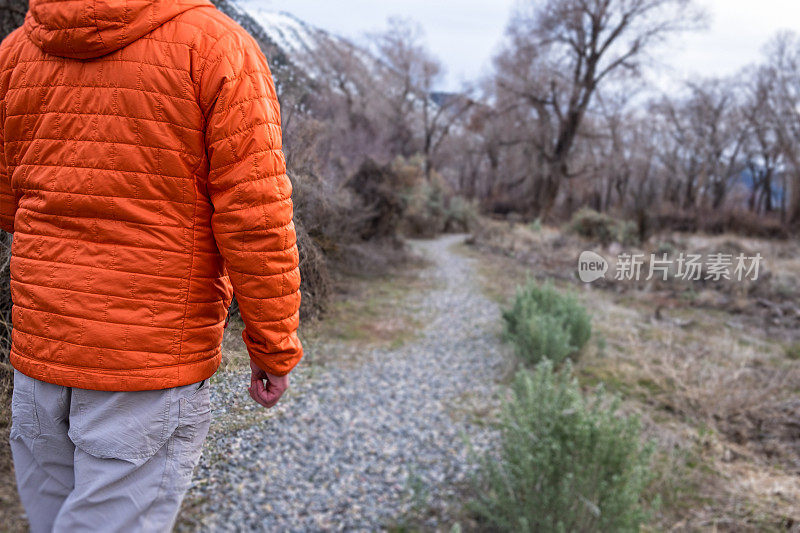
(370, 311)
(715, 388)
(367, 310)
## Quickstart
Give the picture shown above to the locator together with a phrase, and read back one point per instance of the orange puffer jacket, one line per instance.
(142, 174)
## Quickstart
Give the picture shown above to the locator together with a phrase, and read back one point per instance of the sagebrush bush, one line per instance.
(565, 463)
(430, 206)
(603, 228)
(461, 215)
(793, 351)
(543, 323)
(425, 215)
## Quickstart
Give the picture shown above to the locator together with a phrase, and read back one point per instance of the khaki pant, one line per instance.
(105, 461)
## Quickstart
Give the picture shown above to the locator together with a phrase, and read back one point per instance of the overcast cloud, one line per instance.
(465, 34)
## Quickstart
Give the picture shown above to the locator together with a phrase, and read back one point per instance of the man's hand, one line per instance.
(269, 394)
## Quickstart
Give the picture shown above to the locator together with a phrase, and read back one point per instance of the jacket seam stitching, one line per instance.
(207, 59)
(146, 248)
(84, 86)
(97, 195)
(107, 321)
(19, 352)
(187, 152)
(146, 119)
(98, 294)
(79, 167)
(254, 152)
(104, 269)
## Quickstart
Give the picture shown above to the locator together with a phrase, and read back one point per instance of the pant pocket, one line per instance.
(24, 418)
(194, 413)
(194, 421)
(131, 426)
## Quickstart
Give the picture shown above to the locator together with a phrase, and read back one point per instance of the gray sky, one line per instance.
(739, 30)
(465, 34)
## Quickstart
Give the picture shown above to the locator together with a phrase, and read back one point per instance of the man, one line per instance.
(141, 172)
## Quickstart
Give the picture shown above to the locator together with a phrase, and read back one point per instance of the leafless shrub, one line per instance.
(380, 205)
(603, 228)
(425, 215)
(737, 221)
(316, 282)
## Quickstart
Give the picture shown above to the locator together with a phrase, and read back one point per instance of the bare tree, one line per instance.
(782, 78)
(421, 119)
(762, 149)
(409, 69)
(441, 112)
(708, 141)
(561, 52)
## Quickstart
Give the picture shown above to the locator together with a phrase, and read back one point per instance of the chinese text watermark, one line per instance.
(685, 266)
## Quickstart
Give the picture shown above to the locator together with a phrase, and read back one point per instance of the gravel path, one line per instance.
(344, 448)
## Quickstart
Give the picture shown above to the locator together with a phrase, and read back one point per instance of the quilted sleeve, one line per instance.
(251, 194)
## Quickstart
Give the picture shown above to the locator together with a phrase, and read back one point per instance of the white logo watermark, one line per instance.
(591, 266)
(686, 267)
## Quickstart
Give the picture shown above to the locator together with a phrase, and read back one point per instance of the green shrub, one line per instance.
(543, 323)
(603, 228)
(565, 463)
(430, 206)
(425, 214)
(628, 233)
(461, 215)
(793, 351)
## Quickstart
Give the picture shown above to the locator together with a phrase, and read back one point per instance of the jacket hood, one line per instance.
(84, 29)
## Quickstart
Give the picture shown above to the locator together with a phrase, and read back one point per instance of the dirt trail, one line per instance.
(343, 451)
